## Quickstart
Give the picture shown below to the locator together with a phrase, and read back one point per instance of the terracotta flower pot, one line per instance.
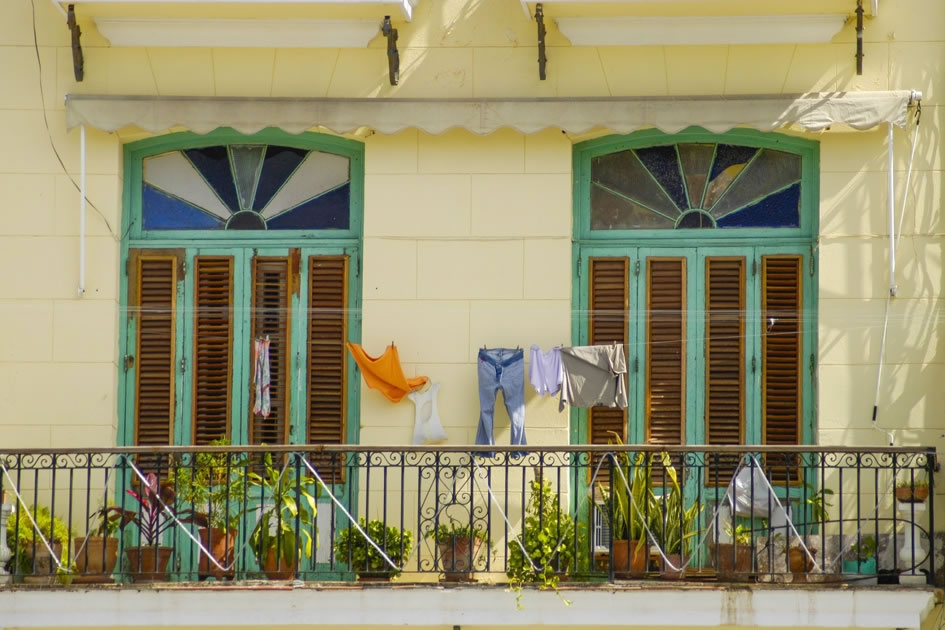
(222, 546)
(910, 494)
(276, 568)
(668, 573)
(98, 557)
(629, 558)
(455, 557)
(734, 562)
(148, 564)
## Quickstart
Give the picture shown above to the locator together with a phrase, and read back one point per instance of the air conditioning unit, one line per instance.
(601, 529)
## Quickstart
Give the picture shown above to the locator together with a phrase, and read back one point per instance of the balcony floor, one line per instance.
(300, 605)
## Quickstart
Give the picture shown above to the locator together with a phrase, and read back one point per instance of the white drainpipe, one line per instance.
(82, 196)
(892, 216)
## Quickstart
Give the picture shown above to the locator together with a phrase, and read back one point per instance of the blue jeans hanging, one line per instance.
(501, 368)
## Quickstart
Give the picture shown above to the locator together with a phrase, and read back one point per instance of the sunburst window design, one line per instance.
(246, 187)
(695, 186)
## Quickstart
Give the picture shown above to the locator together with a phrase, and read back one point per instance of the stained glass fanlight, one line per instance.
(245, 187)
(695, 186)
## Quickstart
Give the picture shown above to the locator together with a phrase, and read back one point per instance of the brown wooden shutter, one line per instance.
(666, 351)
(724, 350)
(724, 362)
(782, 377)
(781, 348)
(153, 288)
(609, 304)
(327, 360)
(272, 287)
(213, 347)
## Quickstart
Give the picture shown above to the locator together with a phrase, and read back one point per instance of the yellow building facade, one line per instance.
(468, 217)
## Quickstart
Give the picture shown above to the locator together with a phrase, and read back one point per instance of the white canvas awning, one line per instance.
(813, 112)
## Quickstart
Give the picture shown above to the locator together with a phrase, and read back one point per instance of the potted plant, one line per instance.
(676, 526)
(862, 560)
(363, 558)
(548, 538)
(459, 548)
(148, 561)
(212, 484)
(912, 490)
(32, 559)
(97, 553)
(282, 533)
(625, 505)
(733, 561)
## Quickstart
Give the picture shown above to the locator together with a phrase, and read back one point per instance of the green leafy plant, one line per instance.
(108, 521)
(213, 485)
(677, 525)
(818, 501)
(741, 534)
(445, 533)
(352, 547)
(22, 538)
(866, 548)
(285, 524)
(626, 502)
(550, 538)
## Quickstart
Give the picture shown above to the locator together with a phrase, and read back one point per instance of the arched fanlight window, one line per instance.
(695, 186)
(246, 187)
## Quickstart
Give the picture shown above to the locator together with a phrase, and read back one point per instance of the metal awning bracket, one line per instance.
(78, 59)
(393, 56)
(542, 59)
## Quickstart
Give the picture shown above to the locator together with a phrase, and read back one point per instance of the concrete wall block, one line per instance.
(548, 269)
(580, 72)
(417, 206)
(696, 69)
(303, 72)
(85, 331)
(183, 71)
(390, 269)
(511, 323)
(460, 151)
(391, 154)
(635, 70)
(243, 71)
(464, 270)
(521, 205)
(548, 151)
(428, 331)
(518, 76)
(853, 204)
(29, 203)
(28, 326)
(757, 69)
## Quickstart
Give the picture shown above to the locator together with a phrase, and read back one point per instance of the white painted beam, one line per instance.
(405, 6)
(385, 605)
(668, 31)
(223, 33)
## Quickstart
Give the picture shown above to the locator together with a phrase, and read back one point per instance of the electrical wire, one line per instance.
(52, 144)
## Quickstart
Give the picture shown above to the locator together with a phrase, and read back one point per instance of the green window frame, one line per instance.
(302, 251)
(751, 248)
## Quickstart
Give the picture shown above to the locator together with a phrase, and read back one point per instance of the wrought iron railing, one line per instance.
(595, 514)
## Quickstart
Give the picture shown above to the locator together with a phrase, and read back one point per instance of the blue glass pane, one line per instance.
(662, 163)
(214, 164)
(780, 210)
(160, 211)
(329, 211)
(279, 165)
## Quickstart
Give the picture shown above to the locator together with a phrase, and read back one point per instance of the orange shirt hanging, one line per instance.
(384, 373)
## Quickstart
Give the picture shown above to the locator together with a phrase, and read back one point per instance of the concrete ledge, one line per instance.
(313, 605)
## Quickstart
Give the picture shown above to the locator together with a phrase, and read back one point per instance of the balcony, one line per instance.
(562, 522)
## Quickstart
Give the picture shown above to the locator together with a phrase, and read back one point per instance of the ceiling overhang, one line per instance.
(243, 9)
